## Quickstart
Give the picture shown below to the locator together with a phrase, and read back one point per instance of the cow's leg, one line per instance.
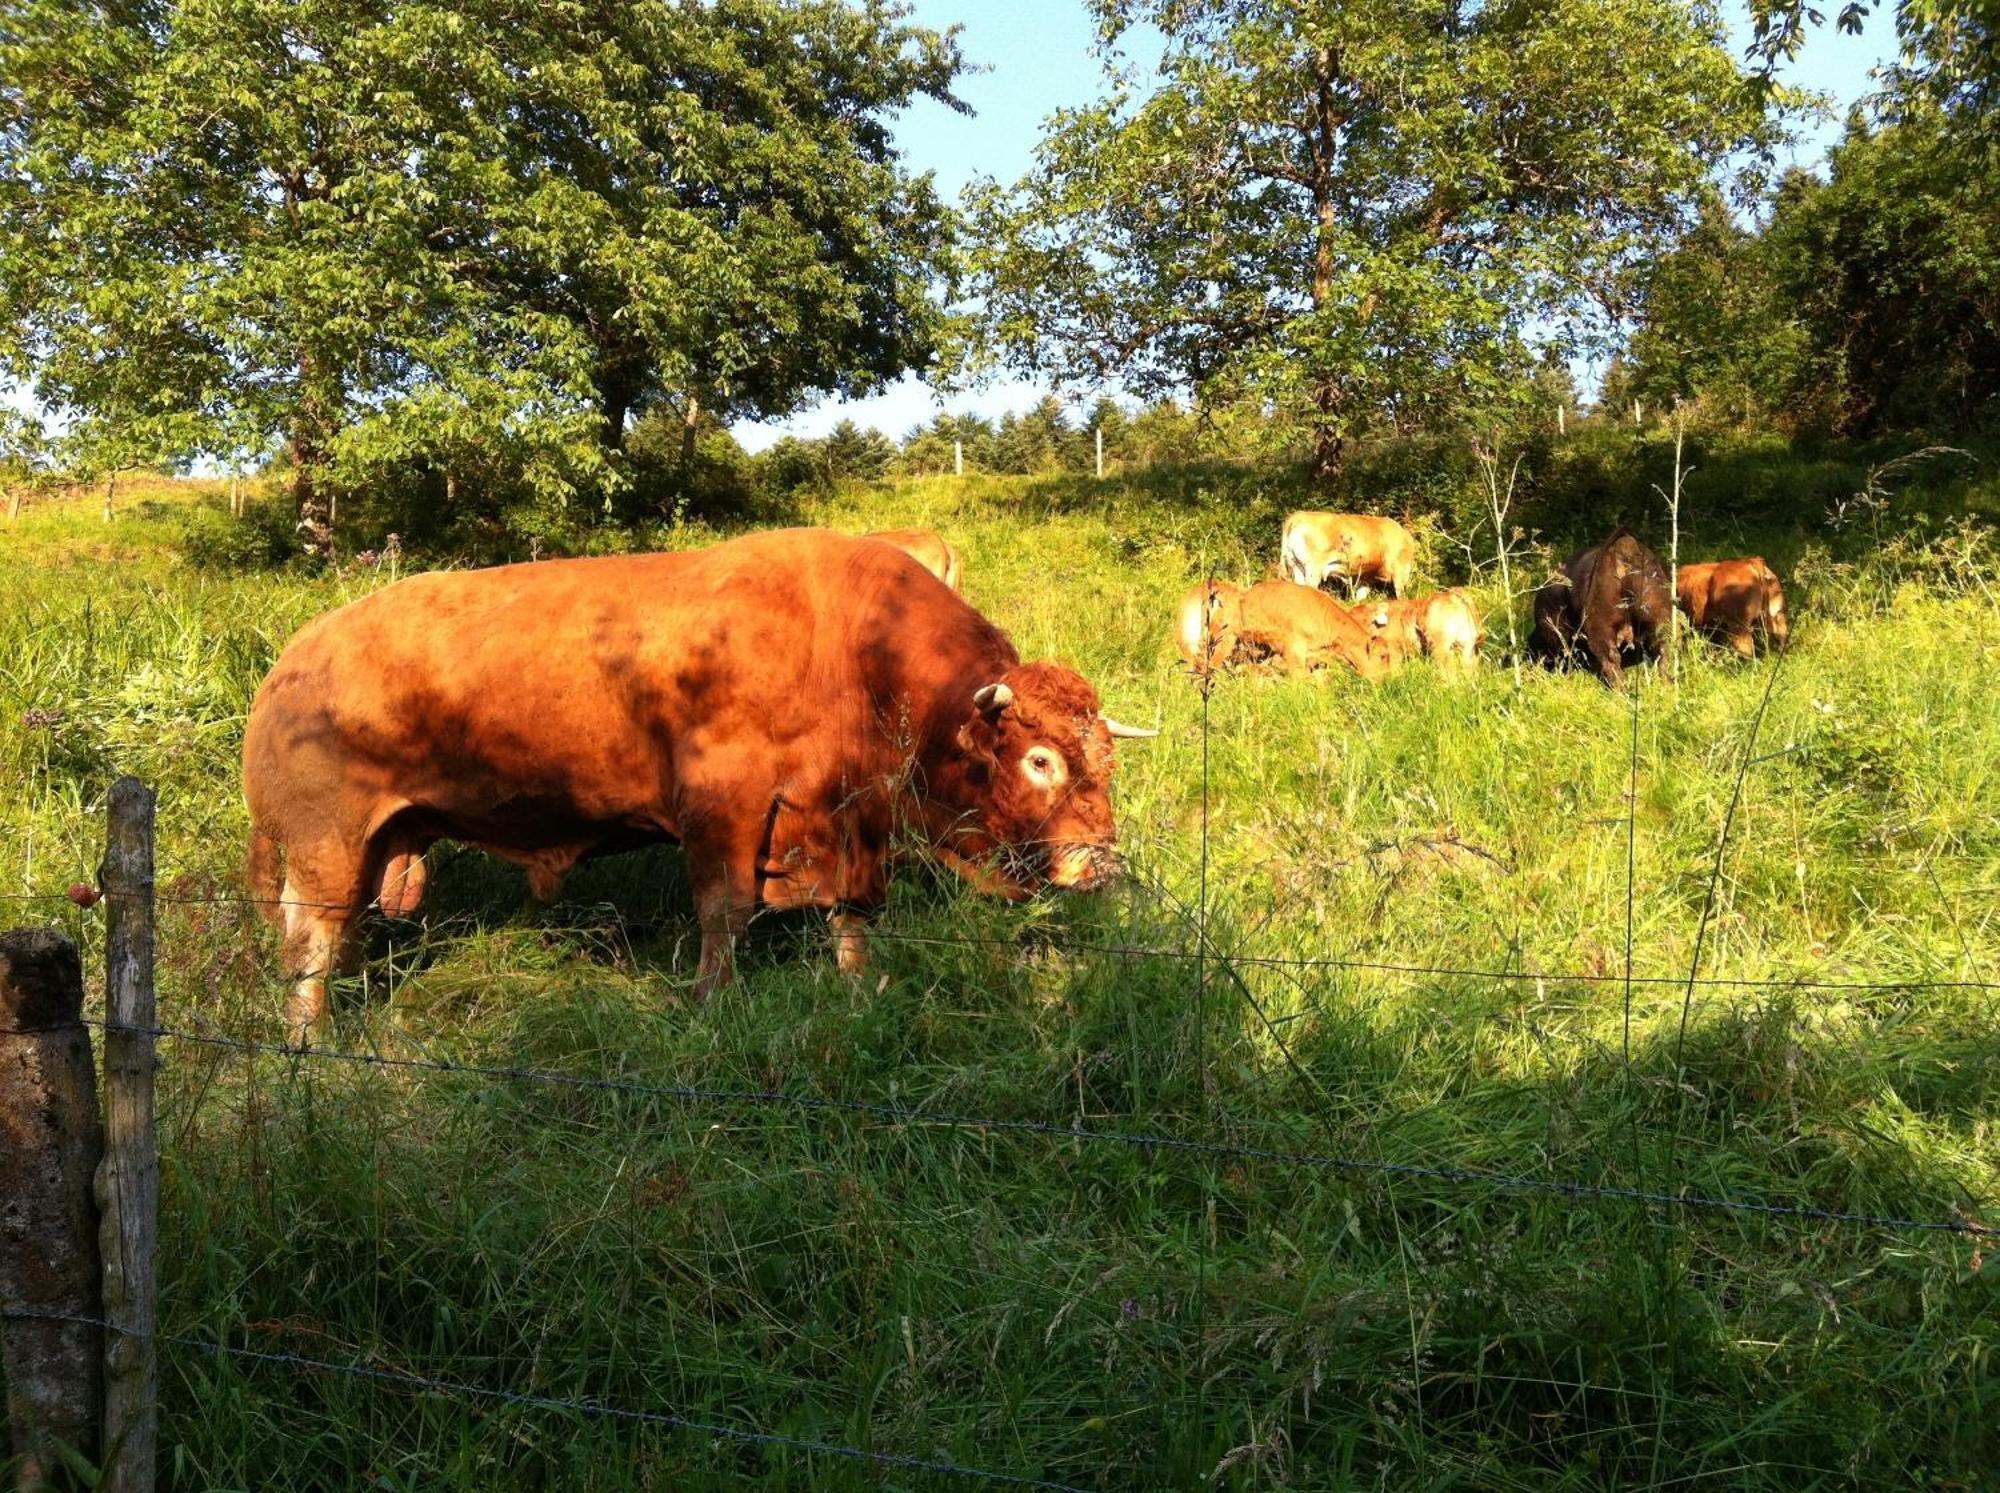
(722, 862)
(850, 940)
(321, 897)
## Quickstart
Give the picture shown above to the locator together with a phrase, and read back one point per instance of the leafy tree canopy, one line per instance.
(1869, 301)
(474, 236)
(1362, 212)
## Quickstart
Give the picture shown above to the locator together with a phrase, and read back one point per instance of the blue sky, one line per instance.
(1037, 55)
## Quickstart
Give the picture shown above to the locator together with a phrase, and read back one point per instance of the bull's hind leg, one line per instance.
(321, 897)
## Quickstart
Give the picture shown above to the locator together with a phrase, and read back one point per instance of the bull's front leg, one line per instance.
(722, 863)
(850, 940)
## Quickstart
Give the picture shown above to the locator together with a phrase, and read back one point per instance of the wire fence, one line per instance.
(1211, 965)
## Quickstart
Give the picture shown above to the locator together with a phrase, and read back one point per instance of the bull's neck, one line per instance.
(956, 787)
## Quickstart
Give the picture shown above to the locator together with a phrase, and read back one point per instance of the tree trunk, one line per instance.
(1329, 445)
(312, 497)
(312, 432)
(1327, 440)
(690, 420)
(615, 406)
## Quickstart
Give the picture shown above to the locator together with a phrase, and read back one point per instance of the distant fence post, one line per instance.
(128, 1183)
(958, 458)
(1100, 453)
(48, 1229)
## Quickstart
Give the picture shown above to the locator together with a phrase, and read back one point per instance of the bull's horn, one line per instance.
(993, 698)
(1119, 728)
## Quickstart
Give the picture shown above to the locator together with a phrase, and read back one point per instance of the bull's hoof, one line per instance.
(308, 1019)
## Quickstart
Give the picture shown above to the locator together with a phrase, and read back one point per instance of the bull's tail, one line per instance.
(265, 875)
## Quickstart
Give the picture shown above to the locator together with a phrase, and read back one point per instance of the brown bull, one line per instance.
(1609, 606)
(776, 705)
(1443, 626)
(1292, 626)
(928, 548)
(1732, 600)
(1351, 548)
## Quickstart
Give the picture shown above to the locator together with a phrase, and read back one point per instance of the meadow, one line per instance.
(1391, 924)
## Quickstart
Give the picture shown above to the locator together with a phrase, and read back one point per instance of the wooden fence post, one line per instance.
(958, 458)
(48, 1220)
(128, 1183)
(1100, 453)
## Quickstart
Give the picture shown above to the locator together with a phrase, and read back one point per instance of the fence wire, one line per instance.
(1043, 938)
(595, 1409)
(903, 1115)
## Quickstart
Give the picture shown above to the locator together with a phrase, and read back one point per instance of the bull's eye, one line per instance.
(1045, 769)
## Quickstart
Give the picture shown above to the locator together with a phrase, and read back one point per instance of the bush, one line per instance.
(263, 539)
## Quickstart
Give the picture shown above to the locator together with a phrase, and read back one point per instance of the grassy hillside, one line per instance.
(1096, 1313)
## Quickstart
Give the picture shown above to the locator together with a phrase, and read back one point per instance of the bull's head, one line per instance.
(1045, 745)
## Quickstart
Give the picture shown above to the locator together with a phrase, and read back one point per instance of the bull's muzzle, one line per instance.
(1083, 868)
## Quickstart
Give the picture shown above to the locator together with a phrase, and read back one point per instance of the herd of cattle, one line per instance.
(1606, 607)
(796, 709)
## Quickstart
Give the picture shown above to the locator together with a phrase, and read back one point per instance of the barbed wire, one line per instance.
(594, 1408)
(903, 1115)
(1030, 937)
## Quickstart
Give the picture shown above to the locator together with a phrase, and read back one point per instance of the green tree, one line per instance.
(396, 233)
(1353, 210)
(1892, 266)
(1713, 328)
(849, 452)
(1869, 300)
(1948, 53)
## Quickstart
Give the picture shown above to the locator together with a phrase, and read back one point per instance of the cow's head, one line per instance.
(1045, 743)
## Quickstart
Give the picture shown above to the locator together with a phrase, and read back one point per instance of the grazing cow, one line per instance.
(1730, 600)
(1351, 548)
(1608, 606)
(1443, 625)
(1205, 625)
(927, 547)
(775, 704)
(1279, 622)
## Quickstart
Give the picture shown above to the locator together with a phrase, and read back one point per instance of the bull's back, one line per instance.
(580, 690)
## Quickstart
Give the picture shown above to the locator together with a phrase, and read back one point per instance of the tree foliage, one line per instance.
(1359, 213)
(1869, 301)
(471, 236)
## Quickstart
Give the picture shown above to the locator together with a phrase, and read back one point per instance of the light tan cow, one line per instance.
(1275, 622)
(1443, 625)
(1352, 548)
(927, 547)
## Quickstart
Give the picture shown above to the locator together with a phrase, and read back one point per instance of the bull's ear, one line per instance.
(991, 699)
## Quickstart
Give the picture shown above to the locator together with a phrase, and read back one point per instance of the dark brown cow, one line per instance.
(1732, 600)
(1278, 622)
(1608, 606)
(774, 704)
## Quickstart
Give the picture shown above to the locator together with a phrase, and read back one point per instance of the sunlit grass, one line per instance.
(1061, 1308)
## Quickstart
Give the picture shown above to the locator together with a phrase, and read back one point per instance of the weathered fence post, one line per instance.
(1100, 453)
(48, 1221)
(128, 1183)
(958, 458)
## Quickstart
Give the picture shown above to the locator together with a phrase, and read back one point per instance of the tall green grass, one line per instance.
(1103, 1314)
